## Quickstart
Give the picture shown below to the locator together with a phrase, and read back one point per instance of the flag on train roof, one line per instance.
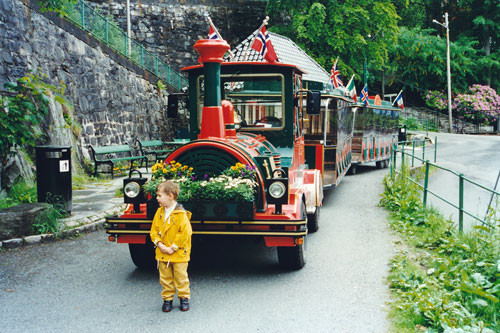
(364, 95)
(335, 76)
(399, 100)
(262, 44)
(213, 33)
(351, 89)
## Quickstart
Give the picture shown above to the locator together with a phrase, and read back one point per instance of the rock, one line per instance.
(12, 243)
(35, 239)
(18, 221)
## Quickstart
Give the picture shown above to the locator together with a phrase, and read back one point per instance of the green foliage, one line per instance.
(22, 111)
(412, 124)
(445, 280)
(330, 28)
(19, 193)
(419, 59)
(48, 220)
(58, 6)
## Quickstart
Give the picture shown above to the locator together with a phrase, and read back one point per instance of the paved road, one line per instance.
(88, 284)
(475, 156)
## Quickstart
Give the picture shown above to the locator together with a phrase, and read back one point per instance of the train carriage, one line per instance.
(257, 114)
(375, 130)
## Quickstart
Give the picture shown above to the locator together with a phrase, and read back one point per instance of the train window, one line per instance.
(257, 99)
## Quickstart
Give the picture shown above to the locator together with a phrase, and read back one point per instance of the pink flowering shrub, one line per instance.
(481, 102)
(436, 99)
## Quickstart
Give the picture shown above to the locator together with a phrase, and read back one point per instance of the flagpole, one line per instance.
(264, 22)
(231, 54)
(397, 97)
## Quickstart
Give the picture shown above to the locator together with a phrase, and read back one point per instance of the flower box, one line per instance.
(220, 210)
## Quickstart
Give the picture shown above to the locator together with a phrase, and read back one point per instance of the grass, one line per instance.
(21, 192)
(441, 280)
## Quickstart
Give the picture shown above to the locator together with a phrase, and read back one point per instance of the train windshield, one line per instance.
(257, 100)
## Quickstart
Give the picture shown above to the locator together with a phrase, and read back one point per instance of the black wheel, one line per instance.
(313, 221)
(386, 163)
(379, 164)
(292, 258)
(143, 255)
(353, 170)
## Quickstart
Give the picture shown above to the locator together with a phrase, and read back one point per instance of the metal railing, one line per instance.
(100, 27)
(407, 155)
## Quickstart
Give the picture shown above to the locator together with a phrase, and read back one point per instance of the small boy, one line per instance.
(171, 233)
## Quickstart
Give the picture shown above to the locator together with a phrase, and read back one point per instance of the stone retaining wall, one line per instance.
(112, 103)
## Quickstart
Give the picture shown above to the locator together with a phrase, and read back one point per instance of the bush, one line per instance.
(445, 281)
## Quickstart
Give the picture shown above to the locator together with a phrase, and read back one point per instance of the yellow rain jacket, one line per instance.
(174, 232)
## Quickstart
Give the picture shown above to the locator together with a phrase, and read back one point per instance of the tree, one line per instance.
(351, 30)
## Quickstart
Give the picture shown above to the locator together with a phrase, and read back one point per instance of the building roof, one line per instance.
(287, 51)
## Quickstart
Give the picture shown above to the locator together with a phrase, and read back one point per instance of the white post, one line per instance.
(448, 70)
(128, 28)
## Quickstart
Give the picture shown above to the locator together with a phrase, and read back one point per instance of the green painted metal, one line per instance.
(413, 153)
(426, 182)
(212, 84)
(426, 190)
(106, 31)
(81, 14)
(435, 148)
(210, 161)
(461, 203)
(423, 149)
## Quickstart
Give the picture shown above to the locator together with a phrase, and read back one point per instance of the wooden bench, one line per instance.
(109, 155)
(154, 148)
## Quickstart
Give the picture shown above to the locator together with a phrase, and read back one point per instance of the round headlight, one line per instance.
(277, 190)
(132, 189)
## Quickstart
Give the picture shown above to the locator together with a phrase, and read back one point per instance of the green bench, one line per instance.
(159, 149)
(109, 155)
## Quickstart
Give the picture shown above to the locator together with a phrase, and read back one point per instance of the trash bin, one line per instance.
(53, 174)
(498, 124)
(402, 133)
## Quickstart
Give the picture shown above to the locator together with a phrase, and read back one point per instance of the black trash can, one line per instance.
(53, 174)
(402, 133)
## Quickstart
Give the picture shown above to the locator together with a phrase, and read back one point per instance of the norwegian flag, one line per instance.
(335, 76)
(262, 44)
(399, 100)
(212, 34)
(364, 95)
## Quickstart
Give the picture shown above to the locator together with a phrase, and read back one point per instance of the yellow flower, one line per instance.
(190, 169)
(165, 171)
(174, 170)
(184, 168)
(172, 162)
(233, 167)
(177, 165)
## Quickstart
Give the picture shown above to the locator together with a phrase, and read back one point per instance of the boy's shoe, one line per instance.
(184, 304)
(167, 306)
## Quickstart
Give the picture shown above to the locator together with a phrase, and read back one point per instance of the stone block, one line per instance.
(35, 239)
(18, 221)
(13, 243)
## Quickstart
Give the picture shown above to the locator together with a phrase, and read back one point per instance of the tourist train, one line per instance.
(297, 137)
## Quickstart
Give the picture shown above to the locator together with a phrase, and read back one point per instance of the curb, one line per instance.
(69, 228)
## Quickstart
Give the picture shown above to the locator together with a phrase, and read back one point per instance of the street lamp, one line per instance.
(448, 71)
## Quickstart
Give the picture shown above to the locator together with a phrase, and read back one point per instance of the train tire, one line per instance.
(313, 221)
(143, 255)
(292, 257)
(353, 170)
(386, 163)
(379, 164)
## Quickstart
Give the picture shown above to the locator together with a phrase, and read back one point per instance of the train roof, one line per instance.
(287, 51)
(248, 63)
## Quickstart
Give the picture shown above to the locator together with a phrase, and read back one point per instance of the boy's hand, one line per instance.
(165, 249)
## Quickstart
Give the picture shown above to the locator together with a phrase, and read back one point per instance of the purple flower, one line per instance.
(205, 176)
(193, 178)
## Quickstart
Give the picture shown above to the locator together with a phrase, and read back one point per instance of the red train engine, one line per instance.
(248, 113)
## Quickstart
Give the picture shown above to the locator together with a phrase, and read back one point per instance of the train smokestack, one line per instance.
(212, 119)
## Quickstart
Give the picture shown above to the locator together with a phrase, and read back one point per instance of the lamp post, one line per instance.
(448, 71)
(128, 29)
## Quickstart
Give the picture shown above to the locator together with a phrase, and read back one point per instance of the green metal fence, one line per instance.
(105, 30)
(408, 155)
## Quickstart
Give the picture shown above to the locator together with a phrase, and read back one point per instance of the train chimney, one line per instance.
(212, 120)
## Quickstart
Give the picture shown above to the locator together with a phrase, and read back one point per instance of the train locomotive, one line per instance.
(258, 114)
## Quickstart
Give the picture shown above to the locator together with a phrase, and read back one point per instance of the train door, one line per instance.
(320, 135)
